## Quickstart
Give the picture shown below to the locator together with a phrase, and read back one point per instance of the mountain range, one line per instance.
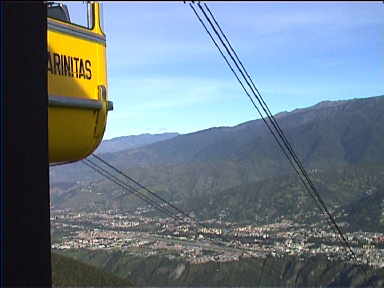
(239, 168)
(129, 142)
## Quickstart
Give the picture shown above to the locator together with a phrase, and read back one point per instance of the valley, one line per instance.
(246, 204)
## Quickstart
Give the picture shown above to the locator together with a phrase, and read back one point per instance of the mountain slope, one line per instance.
(366, 213)
(347, 132)
(329, 135)
(129, 142)
(64, 177)
(274, 272)
(268, 200)
(70, 272)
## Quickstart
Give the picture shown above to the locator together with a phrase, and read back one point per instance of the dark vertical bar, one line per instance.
(2, 144)
(26, 197)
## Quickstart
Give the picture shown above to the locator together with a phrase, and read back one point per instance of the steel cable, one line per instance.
(313, 191)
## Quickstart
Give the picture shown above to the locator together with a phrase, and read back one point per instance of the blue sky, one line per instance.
(165, 75)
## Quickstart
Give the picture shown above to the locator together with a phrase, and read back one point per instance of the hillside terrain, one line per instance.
(69, 175)
(268, 272)
(330, 133)
(238, 174)
(68, 272)
(242, 171)
(356, 191)
(128, 142)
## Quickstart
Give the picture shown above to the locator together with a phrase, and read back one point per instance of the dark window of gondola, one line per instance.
(58, 11)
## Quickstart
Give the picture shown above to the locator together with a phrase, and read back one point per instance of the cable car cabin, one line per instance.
(77, 84)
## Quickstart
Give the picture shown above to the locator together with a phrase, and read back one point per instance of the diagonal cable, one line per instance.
(282, 136)
(196, 222)
(313, 193)
(128, 188)
(322, 206)
(254, 105)
(145, 188)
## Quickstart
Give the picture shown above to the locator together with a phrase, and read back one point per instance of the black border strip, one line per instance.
(2, 146)
(26, 208)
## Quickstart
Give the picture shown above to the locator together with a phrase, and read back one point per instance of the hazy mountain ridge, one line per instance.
(66, 176)
(128, 142)
(209, 162)
(352, 129)
(241, 171)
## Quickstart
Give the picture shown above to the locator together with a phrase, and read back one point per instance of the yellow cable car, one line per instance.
(77, 84)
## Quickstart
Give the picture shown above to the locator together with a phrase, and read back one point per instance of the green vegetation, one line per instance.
(272, 199)
(270, 272)
(239, 174)
(367, 213)
(327, 137)
(67, 272)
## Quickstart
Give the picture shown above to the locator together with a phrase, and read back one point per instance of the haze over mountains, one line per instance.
(229, 166)
(65, 176)
(129, 142)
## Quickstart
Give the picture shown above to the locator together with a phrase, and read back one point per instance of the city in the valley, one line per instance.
(213, 240)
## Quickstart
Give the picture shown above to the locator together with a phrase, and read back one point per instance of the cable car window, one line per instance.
(78, 13)
(58, 11)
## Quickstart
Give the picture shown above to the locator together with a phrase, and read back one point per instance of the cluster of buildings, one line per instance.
(216, 241)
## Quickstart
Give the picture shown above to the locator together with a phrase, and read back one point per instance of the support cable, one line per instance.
(254, 104)
(145, 188)
(195, 221)
(274, 124)
(128, 188)
(316, 197)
